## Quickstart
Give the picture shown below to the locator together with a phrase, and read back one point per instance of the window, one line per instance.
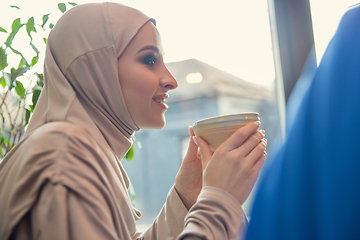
(326, 22)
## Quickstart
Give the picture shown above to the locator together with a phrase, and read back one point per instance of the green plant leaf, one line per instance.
(72, 4)
(3, 59)
(62, 7)
(35, 60)
(2, 82)
(45, 18)
(3, 30)
(27, 116)
(15, 73)
(16, 25)
(132, 194)
(7, 78)
(35, 96)
(15, 51)
(30, 26)
(13, 6)
(51, 25)
(45, 40)
(130, 154)
(40, 81)
(16, 100)
(2, 131)
(20, 90)
(23, 63)
(2, 136)
(35, 48)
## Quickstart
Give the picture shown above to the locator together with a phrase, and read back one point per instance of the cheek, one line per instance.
(138, 93)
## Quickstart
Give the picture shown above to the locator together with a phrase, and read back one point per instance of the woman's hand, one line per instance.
(188, 182)
(235, 165)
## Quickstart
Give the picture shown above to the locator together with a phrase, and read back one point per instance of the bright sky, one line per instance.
(232, 35)
(326, 15)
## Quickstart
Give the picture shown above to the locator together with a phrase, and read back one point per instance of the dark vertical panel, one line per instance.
(294, 37)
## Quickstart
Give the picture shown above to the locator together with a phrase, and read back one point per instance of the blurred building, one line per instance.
(203, 92)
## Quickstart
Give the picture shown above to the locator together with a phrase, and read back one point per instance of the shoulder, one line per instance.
(68, 151)
(59, 129)
(58, 135)
(59, 141)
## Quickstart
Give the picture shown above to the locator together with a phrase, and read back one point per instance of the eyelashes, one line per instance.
(150, 60)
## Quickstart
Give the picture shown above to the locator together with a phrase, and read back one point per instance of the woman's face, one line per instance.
(144, 79)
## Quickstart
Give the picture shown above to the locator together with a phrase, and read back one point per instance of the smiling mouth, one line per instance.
(160, 100)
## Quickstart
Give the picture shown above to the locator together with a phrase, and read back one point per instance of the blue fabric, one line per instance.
(311, 189)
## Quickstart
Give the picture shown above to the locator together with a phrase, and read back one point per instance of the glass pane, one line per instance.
(326, 16)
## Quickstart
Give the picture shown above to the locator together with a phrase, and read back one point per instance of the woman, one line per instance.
(105, 79)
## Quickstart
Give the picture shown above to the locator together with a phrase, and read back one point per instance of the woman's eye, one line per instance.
(150, 60)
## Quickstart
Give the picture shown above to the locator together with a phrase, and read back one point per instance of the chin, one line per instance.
(160, 124)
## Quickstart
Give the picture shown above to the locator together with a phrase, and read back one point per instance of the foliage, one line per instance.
(20, 84)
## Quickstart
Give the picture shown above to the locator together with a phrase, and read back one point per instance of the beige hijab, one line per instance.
(81, 73)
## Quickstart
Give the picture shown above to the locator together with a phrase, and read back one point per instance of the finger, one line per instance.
(204, 150)
(191, 153)
(260, 162)
(251, 143)
(258, 151)
(239, 137)
(192, 145)
(191, 131)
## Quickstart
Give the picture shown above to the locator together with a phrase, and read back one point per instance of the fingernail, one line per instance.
(264, 142)
(195, 141)
(257, 123)
(262, 132)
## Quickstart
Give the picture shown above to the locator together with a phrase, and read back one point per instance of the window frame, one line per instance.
(293, 41)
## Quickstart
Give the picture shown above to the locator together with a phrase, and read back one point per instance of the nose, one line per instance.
(168, 81)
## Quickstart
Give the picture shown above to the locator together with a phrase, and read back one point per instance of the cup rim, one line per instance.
(226, 119)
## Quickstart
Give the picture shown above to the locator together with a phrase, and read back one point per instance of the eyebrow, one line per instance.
(150, 47)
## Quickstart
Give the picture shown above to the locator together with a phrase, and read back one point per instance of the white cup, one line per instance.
(216, 130)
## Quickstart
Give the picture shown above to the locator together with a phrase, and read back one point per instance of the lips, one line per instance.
(161, 100)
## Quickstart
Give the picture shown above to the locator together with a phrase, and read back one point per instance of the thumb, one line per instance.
(192, 150)
(204, 149)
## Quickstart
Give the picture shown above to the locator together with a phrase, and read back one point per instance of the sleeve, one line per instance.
(216, 215)
(61, 214)
(170, 221)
